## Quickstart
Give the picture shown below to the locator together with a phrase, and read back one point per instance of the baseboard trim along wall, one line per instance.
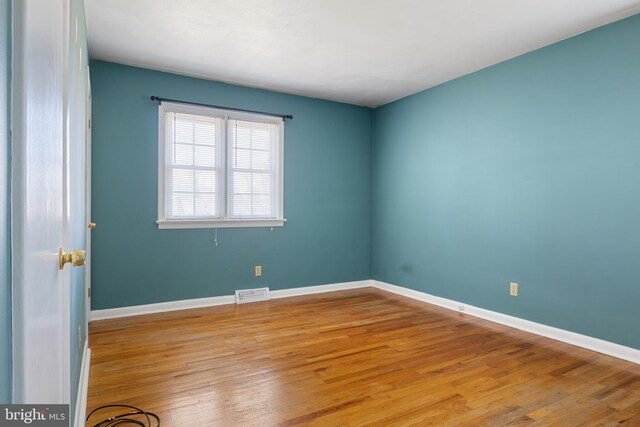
(318, 289)
(584, 341)
(161, 307)
(112, 313)
(83, 387)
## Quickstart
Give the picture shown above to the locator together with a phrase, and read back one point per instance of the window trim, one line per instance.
(224, 221)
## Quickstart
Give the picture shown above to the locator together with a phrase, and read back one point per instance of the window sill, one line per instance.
(228, 223)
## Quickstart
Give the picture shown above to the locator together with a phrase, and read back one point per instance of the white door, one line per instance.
(40, 202)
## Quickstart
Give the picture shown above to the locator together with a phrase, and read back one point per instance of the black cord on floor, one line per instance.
(125, 418)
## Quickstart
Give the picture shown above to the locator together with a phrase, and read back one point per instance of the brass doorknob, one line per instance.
(76, 258)
(91, 225)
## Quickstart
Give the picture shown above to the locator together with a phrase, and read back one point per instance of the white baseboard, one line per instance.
(83, 387)
(161, 307)
(584, 341)
(112, 313)
(318, 289)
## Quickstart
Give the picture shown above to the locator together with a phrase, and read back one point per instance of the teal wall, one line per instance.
(527, 171)
(5, 242)
(77, 98)
(327, 237)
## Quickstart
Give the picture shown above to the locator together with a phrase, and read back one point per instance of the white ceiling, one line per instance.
(365, 52)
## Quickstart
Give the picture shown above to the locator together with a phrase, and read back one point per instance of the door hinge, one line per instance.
(89, 123)
(89, 292)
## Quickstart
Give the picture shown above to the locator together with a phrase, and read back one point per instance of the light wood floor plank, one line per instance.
(351, 358)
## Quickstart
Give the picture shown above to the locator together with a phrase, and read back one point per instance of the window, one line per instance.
(218, 168)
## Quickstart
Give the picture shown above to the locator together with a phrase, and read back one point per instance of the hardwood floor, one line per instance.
(360, 357)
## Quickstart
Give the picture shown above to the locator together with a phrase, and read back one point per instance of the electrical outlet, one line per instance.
(258, 270)
(80, 343)
(513, 289)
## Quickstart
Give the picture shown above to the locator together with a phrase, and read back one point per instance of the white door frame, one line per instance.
(87, 278)
(40, 208)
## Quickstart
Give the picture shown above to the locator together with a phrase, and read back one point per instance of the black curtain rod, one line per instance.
(160, 100)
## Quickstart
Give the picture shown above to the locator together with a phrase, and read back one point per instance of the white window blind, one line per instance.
(194, 162)
(218, 168)
(252, 176)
